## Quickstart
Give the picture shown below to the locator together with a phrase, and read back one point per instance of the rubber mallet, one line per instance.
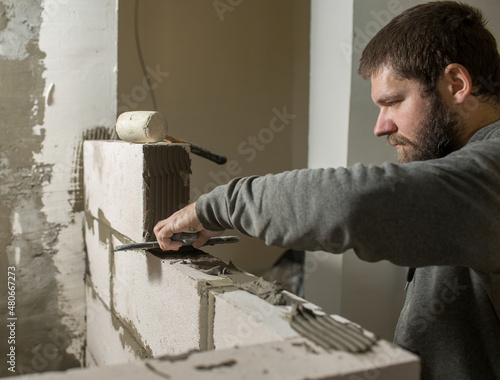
(152, 127)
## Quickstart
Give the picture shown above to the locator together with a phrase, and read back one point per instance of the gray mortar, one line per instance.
(229, 278)
(41, 338)
(268, 291)
(166, 182)
(206, 291)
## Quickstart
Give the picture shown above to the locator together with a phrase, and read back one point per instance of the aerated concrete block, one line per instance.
(130, 371)
(162, 300)
(243, 319)
(89, 359)
(129, 187)
(294, 359)
(108, 340)
(99, 257)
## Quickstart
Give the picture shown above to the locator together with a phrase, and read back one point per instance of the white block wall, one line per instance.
(141, 304)
(152, 304)
(105, 334)
(160, 299)
(129, 187)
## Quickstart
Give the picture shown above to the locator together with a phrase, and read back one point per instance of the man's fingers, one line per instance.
(200, 242)
(159, 227)
(204, 236)
(163, 236)
(167, 244)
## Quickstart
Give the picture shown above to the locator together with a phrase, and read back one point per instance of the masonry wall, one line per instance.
(143, 304)
(199, 316)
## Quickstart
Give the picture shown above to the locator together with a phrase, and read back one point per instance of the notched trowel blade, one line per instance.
(137, 246)
(185, 238)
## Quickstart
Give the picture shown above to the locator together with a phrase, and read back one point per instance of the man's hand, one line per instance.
(184, 220)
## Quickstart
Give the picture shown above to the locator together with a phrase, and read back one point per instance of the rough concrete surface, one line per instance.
(28, 239)
(45, 107)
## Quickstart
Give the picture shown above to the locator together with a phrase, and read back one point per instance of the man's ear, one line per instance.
(457, 83)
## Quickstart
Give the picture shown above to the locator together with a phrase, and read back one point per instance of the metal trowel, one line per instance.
(186, 238)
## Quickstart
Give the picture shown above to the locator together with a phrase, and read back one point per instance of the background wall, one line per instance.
(225, 70)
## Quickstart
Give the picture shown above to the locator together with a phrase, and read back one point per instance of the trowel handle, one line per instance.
(185, 238)
(198, 150)
(205, 153)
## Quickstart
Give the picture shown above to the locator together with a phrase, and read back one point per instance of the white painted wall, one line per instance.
(330, 87)
(372, 293)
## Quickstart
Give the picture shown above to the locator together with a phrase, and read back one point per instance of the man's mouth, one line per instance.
(393, 141)
(397, 141)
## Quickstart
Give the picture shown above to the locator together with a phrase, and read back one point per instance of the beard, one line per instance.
(439, 134)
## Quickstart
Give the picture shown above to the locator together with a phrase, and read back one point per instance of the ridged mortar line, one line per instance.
(164, 168)
(148, 211)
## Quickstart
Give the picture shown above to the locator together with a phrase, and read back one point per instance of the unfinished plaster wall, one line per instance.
(57, 70)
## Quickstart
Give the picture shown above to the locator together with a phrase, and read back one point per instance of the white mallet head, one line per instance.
(141, 126)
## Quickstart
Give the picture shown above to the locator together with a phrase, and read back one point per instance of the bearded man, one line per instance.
(435, 74)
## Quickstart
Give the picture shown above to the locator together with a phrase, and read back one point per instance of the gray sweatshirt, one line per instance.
(441, 216)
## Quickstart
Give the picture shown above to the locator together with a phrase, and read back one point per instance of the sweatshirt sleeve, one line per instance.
(438, 212)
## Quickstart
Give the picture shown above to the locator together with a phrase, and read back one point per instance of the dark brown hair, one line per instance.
(422, 41)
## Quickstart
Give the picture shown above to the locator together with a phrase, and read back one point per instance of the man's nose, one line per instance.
(385, 125)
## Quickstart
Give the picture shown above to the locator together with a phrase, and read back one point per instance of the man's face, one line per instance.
(421, 128)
